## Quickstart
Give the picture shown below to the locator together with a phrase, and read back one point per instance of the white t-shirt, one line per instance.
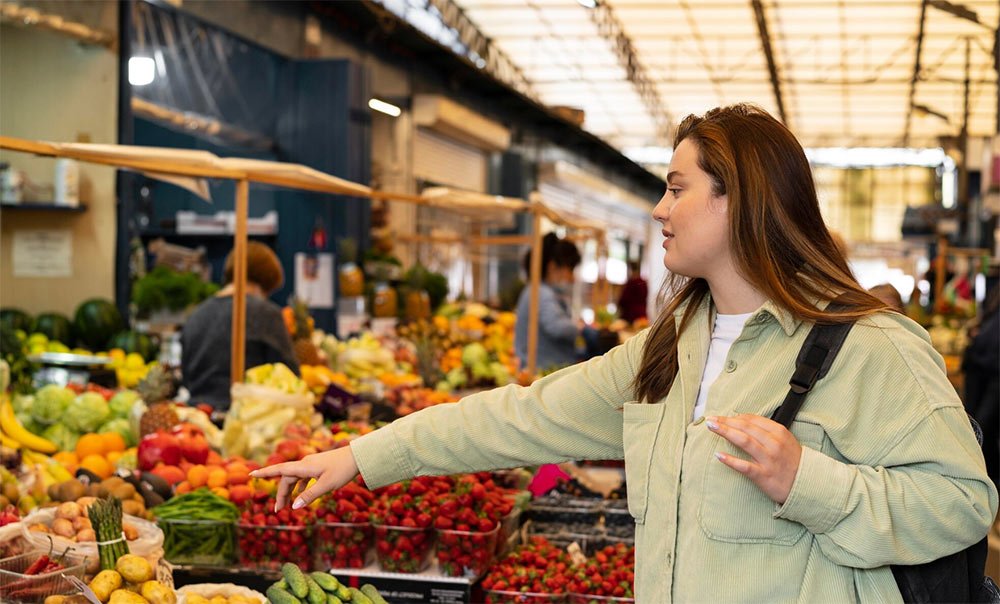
(725, 331)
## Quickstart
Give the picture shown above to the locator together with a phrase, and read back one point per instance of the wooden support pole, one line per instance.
(238, 355)
(535, 283)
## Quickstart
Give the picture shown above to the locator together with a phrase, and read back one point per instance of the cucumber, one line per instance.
(296, 580)
(344, 593)
(328, 582)
(332, 599)
(316, 593)
(276, 595)
(369, 590)
(358, 597)
(282, 584)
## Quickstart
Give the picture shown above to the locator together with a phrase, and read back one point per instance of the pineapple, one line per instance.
(156, 389)
(305, 351)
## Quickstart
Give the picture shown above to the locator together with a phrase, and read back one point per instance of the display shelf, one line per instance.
(429, 586)
(44, 207)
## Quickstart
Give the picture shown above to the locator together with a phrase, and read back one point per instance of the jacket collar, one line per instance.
(789, 323)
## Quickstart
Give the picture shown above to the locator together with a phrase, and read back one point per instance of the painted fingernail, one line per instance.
(276, 508)
(298, 504)
(712, 424)
(254, 473)
(720, 456)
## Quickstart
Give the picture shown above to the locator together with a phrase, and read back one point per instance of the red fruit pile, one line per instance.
(343, 533)
(266, 540)
(9, 515)
(609, 572)
(537, 567)
(468, 521)
(402, 516)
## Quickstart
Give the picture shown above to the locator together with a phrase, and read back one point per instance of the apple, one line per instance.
(195, 449)
(289, 450)
(158, 447)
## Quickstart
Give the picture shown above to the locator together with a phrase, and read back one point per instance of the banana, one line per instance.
(15, 430)
(9, 442)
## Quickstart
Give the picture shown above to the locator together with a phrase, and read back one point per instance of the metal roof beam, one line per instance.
(772, 66)
(492, 59)
(916, 73)
(611, 28)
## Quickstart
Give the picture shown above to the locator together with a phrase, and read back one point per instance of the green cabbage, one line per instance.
(87, 412)
(51, 403)
(121, 403)
(123, 427)
(63, 437)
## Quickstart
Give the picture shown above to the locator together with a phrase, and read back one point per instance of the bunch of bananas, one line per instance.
(13, 435)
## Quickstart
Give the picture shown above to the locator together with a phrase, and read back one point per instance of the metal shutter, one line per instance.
(447, 162)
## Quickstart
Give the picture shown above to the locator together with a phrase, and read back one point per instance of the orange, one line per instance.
(90, 444)
(221, 492)
(98, 465)
(182, 487)
(197, 476)
(218, 478)
(67, 458)
(113, 442)
(114, 456)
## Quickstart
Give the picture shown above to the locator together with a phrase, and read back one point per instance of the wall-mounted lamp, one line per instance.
(383, 107)
(141, 71)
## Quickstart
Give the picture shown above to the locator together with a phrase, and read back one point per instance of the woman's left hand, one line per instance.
(774, 452)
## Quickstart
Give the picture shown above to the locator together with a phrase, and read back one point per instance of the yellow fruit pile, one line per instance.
(130, 368)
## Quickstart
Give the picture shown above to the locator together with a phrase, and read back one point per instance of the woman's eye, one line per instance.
(674, 191)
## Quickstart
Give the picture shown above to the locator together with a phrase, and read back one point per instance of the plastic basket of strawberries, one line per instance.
(534, 573)
(343, 534)
(265, 539)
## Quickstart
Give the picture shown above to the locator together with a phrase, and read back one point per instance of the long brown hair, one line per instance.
(778, 239)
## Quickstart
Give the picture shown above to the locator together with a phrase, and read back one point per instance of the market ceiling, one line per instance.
(853, 73)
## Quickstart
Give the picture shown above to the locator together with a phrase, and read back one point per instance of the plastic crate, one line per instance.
(201, 542)
(586, 599)
(342, 545)
(268, 547)
(401, 549)
(466, 553)
(18, 588)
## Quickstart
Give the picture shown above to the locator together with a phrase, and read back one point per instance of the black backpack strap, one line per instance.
(815, 358)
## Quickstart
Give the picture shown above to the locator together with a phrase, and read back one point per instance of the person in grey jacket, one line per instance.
(557, 331)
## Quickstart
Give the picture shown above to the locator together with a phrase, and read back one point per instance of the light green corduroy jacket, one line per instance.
(890, 471)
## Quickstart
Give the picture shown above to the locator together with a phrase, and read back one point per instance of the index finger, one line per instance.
(289, 468)
(764, 423)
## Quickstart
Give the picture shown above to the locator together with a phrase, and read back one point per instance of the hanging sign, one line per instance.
(43, 253)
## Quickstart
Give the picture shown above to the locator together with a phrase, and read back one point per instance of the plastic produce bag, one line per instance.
(258, 417)
(149, 543)
(226, 590)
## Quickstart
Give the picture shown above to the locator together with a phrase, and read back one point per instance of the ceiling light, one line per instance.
(587, 3)
(141, 71)
(383, 107)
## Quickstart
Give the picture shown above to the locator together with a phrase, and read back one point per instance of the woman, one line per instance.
(557, 331)
(881, 466)
(206, 340)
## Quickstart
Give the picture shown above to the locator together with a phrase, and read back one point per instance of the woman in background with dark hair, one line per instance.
(205, 341)
(557, 331)
(981, 365)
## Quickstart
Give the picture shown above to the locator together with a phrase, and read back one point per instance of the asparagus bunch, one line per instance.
(106, 518)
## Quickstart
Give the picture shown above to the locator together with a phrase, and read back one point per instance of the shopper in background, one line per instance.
(206, 341)
(881, 466)
(635, 293)
(981, 366)
(889, 295)
(557, 331)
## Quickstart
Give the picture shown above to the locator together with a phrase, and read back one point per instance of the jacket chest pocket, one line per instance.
(641, 423)
(734, 510)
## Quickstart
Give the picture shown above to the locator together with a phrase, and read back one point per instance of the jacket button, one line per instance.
(730, 366)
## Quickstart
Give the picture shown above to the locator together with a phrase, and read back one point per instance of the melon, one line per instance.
(95, 322)
(55, 326)
(133, 341)
(15, 318)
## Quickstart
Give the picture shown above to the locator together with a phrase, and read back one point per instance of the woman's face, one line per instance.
(695, 221)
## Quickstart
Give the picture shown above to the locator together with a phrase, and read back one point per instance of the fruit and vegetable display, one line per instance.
(272, 397)
(297, 587)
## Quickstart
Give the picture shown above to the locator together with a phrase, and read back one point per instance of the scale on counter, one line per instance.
(64, 368)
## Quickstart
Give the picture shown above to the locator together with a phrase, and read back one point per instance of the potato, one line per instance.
(81, 523)
(131, 533)
(55, 599)
(63, 528)
(158, 593)
(85, 502)
(86, 535)
(133, 508)
(105, 583)
(134, 569)
(196, 599)
(69, 510)
(124, 596)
